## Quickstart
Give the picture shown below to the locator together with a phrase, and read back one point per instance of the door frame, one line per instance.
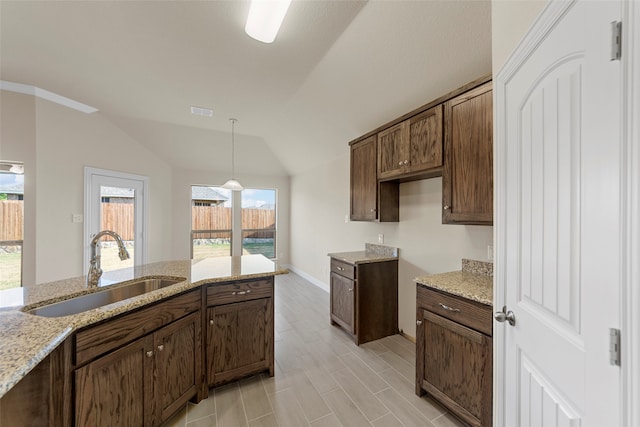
(89, 173)
(629, 210)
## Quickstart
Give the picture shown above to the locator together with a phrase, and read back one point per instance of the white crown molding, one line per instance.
(45, 94)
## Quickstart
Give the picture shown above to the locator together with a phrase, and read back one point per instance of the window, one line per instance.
(213, 231)
(11, 224)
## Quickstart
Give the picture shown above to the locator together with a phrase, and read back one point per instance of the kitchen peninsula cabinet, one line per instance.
(370, 200)
(139, 381)
(413, 145)
(364, 298)
(240, 333)
(454, 354)
(467, 177)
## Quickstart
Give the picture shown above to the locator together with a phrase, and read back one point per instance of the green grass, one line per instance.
(10, 270)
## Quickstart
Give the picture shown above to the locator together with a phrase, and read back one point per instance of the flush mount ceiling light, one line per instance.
(232, 184)
(201, 111)
(265, 18)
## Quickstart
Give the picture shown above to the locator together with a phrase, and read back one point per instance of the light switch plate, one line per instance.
(490, 252)
(76, 218)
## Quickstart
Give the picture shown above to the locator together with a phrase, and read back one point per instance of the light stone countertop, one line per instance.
(25, 339)
(372, 253)
(474, 281)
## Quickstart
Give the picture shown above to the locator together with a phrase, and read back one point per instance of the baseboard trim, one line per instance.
(409, 337)
(308, 277)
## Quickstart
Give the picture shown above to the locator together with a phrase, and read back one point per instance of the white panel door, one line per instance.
(558, 182)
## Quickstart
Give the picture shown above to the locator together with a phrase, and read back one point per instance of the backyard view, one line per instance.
(11, 224)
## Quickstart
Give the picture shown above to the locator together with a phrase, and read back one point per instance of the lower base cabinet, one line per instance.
(454, 355)
(145, 381)
(240, 332)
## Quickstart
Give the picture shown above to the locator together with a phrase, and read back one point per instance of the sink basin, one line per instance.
(101, 298)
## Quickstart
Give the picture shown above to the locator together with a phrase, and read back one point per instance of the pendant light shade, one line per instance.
(233, 184)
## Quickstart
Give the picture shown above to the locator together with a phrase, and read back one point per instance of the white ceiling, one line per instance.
(337, 70)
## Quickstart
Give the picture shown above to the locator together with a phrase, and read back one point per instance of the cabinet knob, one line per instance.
(150, 353)
(446, 207)
(350, 289)
(418, 322)
(211, 322)
(406, 162)
(160, 347)
(400, 163)
(372, 210)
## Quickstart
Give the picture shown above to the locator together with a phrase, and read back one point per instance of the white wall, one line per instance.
(65, 141)
(510, 20)
(320, 201)
(181, 194)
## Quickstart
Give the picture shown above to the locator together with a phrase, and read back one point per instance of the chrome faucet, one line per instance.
(94, 265)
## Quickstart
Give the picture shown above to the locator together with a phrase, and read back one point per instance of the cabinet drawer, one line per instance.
(466, 312)
(114, 333)
(343, 268)
(240, 291)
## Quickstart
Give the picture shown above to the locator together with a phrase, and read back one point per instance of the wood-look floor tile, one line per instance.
(310, 401)
(229, 406)
(365, 374)
(448, 420)
(319, 375)
(430, 409)
(329, 421)
(401, 346)
(371, 358)
(375, 346)
(388, 420)
(344, 409)
(179, 419)
(402, 409)
(209, 421)
(254, 397)
(287, 410)
(203, 409)
(266, 421)
(366, 401)
(320, 353)
(406, 369)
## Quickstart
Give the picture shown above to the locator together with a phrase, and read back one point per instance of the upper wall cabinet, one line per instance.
(370, 200)
(467, 177)
(411, 146)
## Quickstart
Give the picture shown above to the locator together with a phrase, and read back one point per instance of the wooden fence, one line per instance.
(119, 217)
(11, 219)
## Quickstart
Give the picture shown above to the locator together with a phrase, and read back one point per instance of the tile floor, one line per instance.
(322, 378)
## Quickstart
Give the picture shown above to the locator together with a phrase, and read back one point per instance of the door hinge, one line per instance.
(614, 347)
(616, 40)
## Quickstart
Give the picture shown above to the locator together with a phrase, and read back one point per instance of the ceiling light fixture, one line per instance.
(232, 184)
(265, 18)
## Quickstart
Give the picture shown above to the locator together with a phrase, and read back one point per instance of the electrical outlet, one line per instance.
(76, 218)
(346, 219)
(380, 238)
(490, 252)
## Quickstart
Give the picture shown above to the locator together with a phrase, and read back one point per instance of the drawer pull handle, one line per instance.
(160, 347)
(418, 322)
(340, 268)
(211, 322)
(350, 289)
(149, 353)
(248, 291)
(446, 307)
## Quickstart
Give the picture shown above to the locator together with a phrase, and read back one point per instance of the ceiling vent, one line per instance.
(200, 111)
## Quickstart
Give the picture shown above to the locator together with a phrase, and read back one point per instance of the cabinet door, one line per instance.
(178, 364)
(238, 340)
(342, 302)
(425, 140)
(457, 368)
(467, 176)
(117, 389)
(393, 157)
(364, 180)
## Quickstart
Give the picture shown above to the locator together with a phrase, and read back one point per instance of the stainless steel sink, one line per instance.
(102, 298)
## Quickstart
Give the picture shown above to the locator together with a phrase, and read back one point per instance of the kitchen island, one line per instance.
(27, 340)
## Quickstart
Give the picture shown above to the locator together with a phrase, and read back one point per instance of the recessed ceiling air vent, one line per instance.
(201, 111)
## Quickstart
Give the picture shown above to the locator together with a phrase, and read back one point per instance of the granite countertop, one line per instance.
(25, 339)
(372, 253)
(474, 281)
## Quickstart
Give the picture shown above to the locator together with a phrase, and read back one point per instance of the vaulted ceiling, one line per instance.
(337, 70)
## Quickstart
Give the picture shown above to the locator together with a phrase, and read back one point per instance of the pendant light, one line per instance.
(232, 184)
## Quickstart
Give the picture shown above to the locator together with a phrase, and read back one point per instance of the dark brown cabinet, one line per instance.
(370, 200)
(364, 299)
(139, 381)
(454, 354)
(413, 145)
(240, 332)
(467, 177)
